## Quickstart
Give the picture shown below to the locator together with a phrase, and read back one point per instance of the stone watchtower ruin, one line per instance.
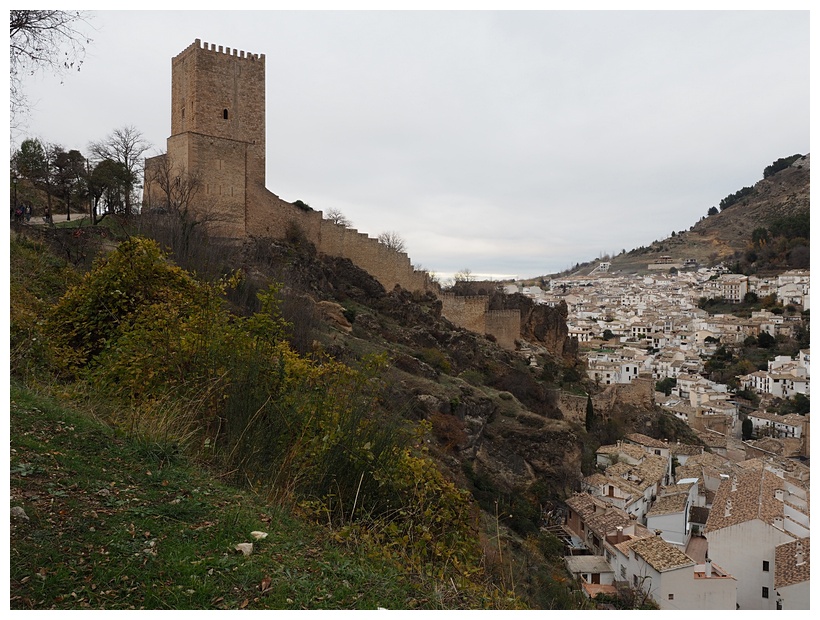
(217, 143)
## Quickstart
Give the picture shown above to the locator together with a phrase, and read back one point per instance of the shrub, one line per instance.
(124, 287)
(473, 377)
(37, 279)
(780, 164)
(435, 358)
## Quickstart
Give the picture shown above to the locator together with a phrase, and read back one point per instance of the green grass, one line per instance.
(118, 523)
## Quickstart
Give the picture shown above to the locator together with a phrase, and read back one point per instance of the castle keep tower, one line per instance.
(218, 141)
(217, 130)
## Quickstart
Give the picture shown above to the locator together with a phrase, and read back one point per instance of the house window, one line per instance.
(671, 597)
(623, 572)
(765, 566)
(225, 114)
(765, 592)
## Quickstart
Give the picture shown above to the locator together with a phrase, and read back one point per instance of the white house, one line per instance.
(670, 512)
(754, 512)
(767, 424)
(671, 578)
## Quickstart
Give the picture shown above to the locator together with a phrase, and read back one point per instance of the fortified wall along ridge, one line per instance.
(218, 137)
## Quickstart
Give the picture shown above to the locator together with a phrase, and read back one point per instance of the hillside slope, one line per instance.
(727, 235)
(104, 521)
(491, 418)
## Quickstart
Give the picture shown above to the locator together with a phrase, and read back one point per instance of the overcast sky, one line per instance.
(508, 143)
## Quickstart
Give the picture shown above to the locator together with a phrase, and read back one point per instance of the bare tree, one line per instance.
(337, 217)
(45, 39)
(178, 215)
(125, 146)
(393, 240)
(178, 188)
(465, 275)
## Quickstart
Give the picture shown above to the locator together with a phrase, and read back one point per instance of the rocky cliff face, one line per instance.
(493, 418)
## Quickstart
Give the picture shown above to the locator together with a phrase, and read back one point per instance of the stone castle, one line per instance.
(218, 137)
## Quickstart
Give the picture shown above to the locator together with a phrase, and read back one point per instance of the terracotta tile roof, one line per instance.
(585, 504)
(698, 514)
(659, 554)
(685, 449)
(746, 496)
(710, 463)
(630, 450)
(652, 468)
(668, 504)
(587, 564)
(712, 439)
(787, 570)
(645, 440)
(596, 479)
(602, 523)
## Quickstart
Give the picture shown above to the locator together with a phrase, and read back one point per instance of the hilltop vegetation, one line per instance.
(762, 228)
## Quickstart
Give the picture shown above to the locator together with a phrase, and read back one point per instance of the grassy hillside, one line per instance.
(104, 521)
(153, 430)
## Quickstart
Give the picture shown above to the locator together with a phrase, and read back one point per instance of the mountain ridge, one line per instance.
(725, 236)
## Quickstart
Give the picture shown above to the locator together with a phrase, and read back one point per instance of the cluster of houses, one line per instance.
(720, 525)
(662, 309)
(691, 529)
(784, 378)
(652, 326)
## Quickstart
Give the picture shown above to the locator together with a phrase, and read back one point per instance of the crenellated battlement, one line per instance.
(219, 49)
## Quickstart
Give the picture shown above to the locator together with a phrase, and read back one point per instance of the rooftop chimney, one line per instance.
(798, 556)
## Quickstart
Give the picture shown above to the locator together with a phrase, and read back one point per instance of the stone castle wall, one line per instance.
(505, 326)
(221, 93)
(469, 312)
(218, 137)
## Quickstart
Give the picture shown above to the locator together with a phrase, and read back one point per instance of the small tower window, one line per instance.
(225, 114)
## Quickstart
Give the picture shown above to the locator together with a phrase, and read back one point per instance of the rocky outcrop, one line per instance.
(494, 421)
(501, 441)
(638, 395)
